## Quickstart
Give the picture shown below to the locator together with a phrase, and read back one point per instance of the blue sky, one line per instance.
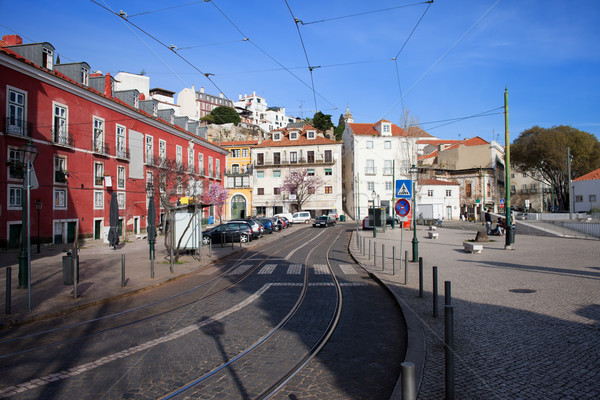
(456, 64)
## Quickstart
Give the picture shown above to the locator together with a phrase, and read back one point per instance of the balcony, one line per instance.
(370, 171)
(61, 138)
(388, 171)
(282, 161)
(122, 153)
(240, 171)
(150, 160)
(102, 149)
(17, 127)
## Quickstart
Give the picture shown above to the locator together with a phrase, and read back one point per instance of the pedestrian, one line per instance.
(488, 221)
(440, 220)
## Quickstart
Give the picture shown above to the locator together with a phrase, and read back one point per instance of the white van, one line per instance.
(301, 217)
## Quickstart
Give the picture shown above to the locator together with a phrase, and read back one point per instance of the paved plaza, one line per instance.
(527, 320)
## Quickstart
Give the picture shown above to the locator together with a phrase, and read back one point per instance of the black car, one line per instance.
(255, 226)
(324, 221)
(232, 231)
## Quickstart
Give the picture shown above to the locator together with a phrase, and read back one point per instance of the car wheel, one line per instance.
(244, 238)
(205, 240)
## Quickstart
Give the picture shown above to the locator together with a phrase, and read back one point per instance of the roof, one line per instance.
(301, 141)
(433, 154)
(239, 143)
(369, 129)
(474, 141)
(437, 182)
(590, 176)
(438, 141)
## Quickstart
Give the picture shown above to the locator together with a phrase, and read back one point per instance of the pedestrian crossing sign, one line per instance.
(403, 188)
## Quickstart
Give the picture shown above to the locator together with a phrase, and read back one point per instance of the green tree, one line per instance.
(339, 129)
(545, 150)
(322, 121)
(225, 115)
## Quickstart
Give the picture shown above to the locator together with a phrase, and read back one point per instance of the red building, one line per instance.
(91, 142)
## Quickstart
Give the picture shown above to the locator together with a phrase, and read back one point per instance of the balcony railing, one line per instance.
(17, 127)
(150, 160)
(122, 153)
(101, 148)
(62, 139)
(239, 172)
(388, 171)
(298, 161)
(370, 171)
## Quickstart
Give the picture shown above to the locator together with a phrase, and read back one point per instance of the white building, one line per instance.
(374, 157)
(299, 146)
(437, 198)
(197, 104)
(267, 118)
(586, 192)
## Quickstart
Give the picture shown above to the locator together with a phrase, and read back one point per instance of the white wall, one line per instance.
(586, 189)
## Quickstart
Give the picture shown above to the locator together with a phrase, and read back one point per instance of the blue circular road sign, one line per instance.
(402, 207)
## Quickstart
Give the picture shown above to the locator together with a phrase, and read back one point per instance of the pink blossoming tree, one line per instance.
(303, 185)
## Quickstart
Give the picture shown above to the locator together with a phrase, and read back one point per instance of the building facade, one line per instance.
(266, 118)
(198, 104)
(586, 192)
(91, 143)
(238, 178)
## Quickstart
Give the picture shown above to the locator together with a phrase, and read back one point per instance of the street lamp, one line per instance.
(28, 155)
(38, 207)
(374, 196)
(150, 223)
(414, 172)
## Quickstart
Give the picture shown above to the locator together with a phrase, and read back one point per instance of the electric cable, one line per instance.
(363, 13)
(167, 8)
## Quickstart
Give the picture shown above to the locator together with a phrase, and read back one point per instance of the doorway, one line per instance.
(238, 207)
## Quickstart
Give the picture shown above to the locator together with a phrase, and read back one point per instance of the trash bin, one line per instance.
(211, 220)
(512, 233)
(342, 218)
(67, 267)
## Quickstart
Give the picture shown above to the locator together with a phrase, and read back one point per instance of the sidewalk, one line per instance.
(99, 275)
(526, 320)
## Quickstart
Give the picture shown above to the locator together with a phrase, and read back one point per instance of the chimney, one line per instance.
(11, 40)
(240, 97)
(142, 96)
(108, 85)
(221, 95)
(202, 89)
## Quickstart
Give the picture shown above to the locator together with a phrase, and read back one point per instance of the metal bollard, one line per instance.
(122, 270)
(369, 249)
(406, 267)
(447, 293)
(7, 305)
(363, 246)
(435, 291)
(75, 271)
(170, 263)
(420, 276)
(409, 391)
(383, 257)
(374, 254)
(394, 260)
(449, 341)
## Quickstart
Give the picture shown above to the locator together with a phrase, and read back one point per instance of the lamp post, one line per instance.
(28, 153)
(150, 224)
(414, 172)
(38, 207)
(374, 196)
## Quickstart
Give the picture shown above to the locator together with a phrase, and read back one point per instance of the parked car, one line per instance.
(256, 233)
(278, 224)
(301, 217)
(324, 221)
(288, 216)
(232, 231)
(268, 224)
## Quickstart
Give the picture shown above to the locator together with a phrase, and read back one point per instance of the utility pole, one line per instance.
(570, 189)
(509, 231)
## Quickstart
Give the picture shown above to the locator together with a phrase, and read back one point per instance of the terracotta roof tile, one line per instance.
(590, 176)
(437, 182)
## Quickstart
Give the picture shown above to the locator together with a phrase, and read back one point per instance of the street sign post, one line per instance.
(403, 188)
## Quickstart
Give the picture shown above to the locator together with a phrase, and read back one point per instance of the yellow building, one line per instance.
(238, 178)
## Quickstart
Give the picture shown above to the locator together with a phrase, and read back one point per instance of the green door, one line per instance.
(238, 207)
(98, 229)
(14, 235)
(71, 226)
(120, 228)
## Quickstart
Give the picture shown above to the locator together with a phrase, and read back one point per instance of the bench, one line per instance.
(471, 247)
(433, 235)
(141, 236)
(432, 228)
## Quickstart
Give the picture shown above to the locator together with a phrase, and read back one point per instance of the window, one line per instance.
(200, 163)
(16, 170)
(149, 150)
(121, 200)
(370, 169)
(234, 153)
(369, 144)
(149, 178)
(179, 185)
(430, 193)
(293, 157)
(387, 144)
(218, 168)
(60, 199)
(85, 76)
(293, 135)
(448, 193)
(16, 112)
(277, 136)
(592, 198)
(14, 197)
(311, 190)
(388, 185)
(121, 177)
(370, 186)
(260, 158)
(276, 173)
(328, 156)
(260, 174)
(311, 135)
(98, 174)
(328, 189)
(468, 190)
(387, 167)
(387, 128)
(328, 172)
(98, 135)
(235, 169)
(261, 191)
(162, 152)
(277, 158)
(277, 190)
(191, 159)
(578, 198)
(47, 58)
(98, 199)
(310, 172)
(59, 125)
(121, 142)
(310, 156)
(244, 152)
(210, 166)
(60, 169)
(178, 155)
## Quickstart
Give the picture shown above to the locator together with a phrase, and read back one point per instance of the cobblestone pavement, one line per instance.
(527, 320)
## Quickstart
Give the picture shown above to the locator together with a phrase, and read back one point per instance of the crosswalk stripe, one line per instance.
(267, 269)
(241, 269)
(294, 269)
(321, 269)
(348, 269)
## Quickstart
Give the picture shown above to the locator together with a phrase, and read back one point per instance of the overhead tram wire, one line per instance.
(167, 8)
(400, 51)
(310, 68)
(268, 55)
(363, 13)
(454, 120)
(443, 56)
(123, 16)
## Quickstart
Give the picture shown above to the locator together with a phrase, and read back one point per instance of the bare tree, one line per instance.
(303, 185)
